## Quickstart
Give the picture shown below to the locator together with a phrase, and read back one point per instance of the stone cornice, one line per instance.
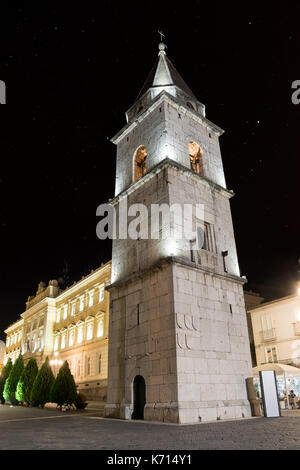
(14, 326)
(175, 260)
(167, 162)
(83, 282)
(165, 96)
(38, 306)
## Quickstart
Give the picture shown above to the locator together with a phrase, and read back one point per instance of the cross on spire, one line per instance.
(161, 35)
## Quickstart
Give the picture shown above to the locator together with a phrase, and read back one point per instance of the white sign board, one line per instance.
(269, 392)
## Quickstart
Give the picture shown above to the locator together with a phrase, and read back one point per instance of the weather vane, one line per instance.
(161, 35)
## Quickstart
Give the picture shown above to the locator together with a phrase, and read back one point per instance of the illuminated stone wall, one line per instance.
(146, 347)
(212, 344)
(191, 344)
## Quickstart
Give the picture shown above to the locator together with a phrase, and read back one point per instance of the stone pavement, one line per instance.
(32, 428)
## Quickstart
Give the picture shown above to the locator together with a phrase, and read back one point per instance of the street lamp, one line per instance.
(55, 363)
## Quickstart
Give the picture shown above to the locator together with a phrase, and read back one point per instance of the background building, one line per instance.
(276, 331)
(14, 339)
(2, 354)
(67, 325)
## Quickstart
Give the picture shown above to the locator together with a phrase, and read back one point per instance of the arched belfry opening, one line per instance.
(196, 158)
(139, 397)
(140, 163)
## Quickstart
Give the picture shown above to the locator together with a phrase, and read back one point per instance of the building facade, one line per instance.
(67, 325)
(2, 354)
(252, 300)
(178, 346)
(276, 331)
(14, 338)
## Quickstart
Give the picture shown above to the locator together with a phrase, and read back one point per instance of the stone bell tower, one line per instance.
(178, 339)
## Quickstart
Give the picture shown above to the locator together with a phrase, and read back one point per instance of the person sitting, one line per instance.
(292, 399)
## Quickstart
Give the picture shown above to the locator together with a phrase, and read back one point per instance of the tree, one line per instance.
(40, 392)
(80, 401)
(26, 381)
(63, 391)
(10, 387)
(4, 375)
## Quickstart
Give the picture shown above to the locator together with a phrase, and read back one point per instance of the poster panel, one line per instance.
(269, 393)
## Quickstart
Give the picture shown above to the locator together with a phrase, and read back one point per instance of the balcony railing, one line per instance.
(268, 335)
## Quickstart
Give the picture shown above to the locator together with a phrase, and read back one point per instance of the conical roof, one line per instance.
(164, 74)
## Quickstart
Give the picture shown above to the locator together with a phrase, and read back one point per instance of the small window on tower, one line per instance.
(204, 237)
(140, 163)
(196, 158)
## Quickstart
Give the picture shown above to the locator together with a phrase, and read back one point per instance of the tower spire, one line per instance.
(161, 47)
(164, 75)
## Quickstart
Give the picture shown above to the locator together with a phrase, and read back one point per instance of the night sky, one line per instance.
(72, 71)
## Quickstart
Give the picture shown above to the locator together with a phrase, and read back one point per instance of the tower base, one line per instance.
(190, 413)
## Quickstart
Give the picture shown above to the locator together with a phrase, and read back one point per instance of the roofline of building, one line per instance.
(164, 95)
(272, 302)
(14, 325)
(52, 300)
(255, 294)
(83, 280)
(160, 86)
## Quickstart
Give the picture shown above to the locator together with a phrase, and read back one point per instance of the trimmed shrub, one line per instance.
(26, 381)
(63, 391)
(40, 392)
(4, 375)
(80, 401)
(10, 387)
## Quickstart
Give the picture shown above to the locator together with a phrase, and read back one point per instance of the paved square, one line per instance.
(32, 428)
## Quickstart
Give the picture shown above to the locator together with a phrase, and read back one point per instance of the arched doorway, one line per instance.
(139, 393)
